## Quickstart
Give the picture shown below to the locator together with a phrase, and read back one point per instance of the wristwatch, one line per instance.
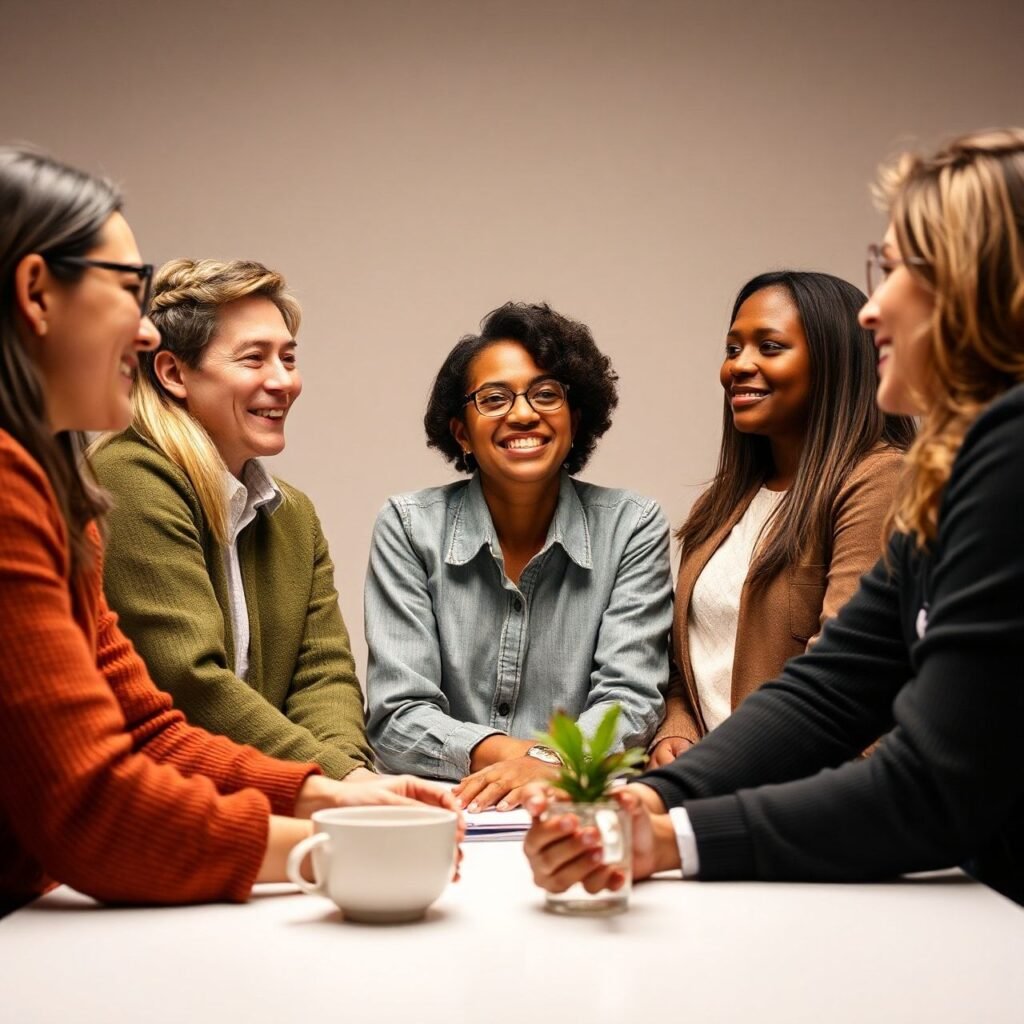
(545, 754)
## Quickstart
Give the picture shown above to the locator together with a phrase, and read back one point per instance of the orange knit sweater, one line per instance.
(102, 784)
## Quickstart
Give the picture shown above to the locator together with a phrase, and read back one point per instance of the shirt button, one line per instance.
(517, 604)
(503, 710)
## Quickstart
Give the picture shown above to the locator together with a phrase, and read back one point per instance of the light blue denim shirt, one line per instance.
(458, 652)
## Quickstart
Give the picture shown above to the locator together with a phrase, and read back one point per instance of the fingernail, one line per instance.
(565, 824)
(595, 857)
(589, 839)
(503, 806)
(473, 807)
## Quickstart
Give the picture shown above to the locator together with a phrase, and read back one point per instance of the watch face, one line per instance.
(544, 754)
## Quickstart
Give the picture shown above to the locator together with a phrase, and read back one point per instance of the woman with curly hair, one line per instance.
(493, 601)
(928, 649)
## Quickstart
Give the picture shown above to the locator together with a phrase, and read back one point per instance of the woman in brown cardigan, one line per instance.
(793, 517)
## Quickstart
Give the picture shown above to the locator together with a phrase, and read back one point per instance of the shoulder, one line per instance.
(296, 504)
(23, 482)
(432, 504)
(872, 482)
(127, 464)
(990, 462)
(615, 503)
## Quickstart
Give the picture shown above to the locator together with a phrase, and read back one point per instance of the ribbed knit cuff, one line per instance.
(282, 785)
(663, 784)
(723, 839)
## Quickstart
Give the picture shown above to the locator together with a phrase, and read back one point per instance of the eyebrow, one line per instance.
(264, 344)
(759, 332)
(505, 383)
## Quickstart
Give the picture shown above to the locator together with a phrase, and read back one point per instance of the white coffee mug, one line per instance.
(378, 864)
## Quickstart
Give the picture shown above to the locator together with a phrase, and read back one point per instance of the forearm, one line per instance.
(282, 834)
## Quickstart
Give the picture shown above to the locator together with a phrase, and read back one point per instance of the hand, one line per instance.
(318, 792)
(667, 750)
(502, 783)
(561, 853)
(361, 774)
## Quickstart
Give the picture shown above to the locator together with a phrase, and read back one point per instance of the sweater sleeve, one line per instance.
(944, 781)
(76, 790)
(325, 696)
(157, 580)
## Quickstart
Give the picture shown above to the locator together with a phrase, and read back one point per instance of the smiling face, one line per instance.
(766, 373)
(245, 383)
(899, 313)
(523, 447)
(87, 354)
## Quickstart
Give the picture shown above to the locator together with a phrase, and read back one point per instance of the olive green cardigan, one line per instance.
(164, 575)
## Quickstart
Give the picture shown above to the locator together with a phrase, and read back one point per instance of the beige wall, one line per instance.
(411, 165)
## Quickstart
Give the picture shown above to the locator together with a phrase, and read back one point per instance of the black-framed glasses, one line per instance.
(496, 400)
(880, 266)
(144, 272)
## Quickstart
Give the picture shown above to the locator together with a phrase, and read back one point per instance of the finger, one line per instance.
(489, 795)
(556, 856)
(471, 786)
(551, 830)
(512, 799)
(604, 878)
(570, 872)
(431, 793)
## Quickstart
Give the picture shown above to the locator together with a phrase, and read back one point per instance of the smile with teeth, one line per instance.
(884, 351)
(748, 396)
(270, 414)
(127, 369)
(521, 443)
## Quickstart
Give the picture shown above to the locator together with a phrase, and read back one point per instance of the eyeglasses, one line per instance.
(496, 400)
(144, 272)
(880, 266)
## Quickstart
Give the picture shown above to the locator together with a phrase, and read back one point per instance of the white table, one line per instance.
(929, 950)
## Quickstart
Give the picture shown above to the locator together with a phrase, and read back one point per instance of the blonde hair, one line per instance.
(960, 212)
(187, 298)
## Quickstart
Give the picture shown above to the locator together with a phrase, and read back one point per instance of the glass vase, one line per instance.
(613, 825)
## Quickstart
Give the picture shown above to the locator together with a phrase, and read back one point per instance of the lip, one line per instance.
(255, 410)
(523, 453)
(744, 396)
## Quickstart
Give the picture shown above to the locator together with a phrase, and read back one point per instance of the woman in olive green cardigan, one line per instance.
(220, 574)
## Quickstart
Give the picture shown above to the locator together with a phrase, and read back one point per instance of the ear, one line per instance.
(167, 368)
(458, 429)
(33, 294)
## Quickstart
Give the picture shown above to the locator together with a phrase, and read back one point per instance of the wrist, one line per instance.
(649, 797)
(666, 848)
(494, 748)
(312, 796)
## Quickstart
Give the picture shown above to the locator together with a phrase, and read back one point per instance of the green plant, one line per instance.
(588, 769)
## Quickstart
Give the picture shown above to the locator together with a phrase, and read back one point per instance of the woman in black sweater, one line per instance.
(927, 653)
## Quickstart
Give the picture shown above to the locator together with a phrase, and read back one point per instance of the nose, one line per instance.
(148, 337)
(281, 379)
(521, 411)
(743, 363)
(868, 315)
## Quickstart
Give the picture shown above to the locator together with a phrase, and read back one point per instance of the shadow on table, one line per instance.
(335, 917)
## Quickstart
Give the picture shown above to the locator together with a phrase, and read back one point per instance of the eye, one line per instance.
(252, 357)
(732, 351)
(772, 348)
(289, 359)
(492, 399)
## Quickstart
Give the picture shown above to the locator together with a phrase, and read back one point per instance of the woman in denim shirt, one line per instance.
(493, 601)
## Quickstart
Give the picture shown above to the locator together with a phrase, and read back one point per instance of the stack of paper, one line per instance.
(496, 826)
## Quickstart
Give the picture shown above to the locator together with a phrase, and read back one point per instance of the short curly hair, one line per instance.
(562, 347)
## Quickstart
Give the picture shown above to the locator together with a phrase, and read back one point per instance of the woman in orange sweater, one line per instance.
(102, 784)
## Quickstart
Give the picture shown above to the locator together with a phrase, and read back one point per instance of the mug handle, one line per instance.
(297, 854)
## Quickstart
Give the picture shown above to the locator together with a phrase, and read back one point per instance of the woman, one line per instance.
(103, 786)
(793, 518)
(929, 646)
(491, 602)
(220, 574)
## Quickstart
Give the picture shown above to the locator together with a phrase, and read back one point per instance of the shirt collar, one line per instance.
(256, 491)
(472, 528)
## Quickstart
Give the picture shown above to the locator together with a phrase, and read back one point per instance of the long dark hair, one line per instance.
(843, 424)
(54, 210)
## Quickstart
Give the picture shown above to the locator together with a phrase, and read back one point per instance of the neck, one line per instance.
(521, 514)
(786, 452)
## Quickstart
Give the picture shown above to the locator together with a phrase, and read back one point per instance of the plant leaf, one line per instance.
(604, 735)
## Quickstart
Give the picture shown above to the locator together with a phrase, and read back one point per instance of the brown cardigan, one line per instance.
(784, 617)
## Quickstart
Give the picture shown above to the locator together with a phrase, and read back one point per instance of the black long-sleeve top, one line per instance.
(929, 653)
